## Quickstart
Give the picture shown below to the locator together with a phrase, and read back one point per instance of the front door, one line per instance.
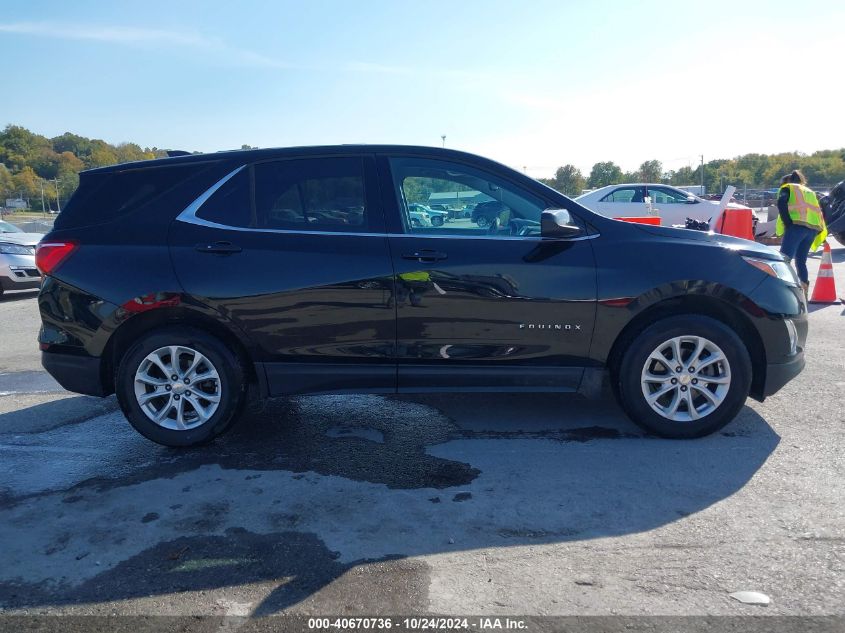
(485, 308)
(294, 254)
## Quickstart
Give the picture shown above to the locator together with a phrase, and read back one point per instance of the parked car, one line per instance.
(17, 259)
(673, 205)
(419, 218)
(172, 283)
(484, 214)
(435, 216)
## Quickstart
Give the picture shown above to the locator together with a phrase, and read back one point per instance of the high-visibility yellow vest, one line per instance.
(803, 205)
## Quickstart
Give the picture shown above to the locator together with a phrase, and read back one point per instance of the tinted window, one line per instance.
(104, 196)
(230, 204)
(325, 194)
(625, 194)
(482, 203)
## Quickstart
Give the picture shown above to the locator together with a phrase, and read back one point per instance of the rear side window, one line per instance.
(313, 194)
(319, 194)
(105, 196)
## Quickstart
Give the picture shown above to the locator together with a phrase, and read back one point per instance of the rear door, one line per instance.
(498, 307)
(294, 253)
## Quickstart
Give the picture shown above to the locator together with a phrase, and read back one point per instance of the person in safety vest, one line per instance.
(801, 223)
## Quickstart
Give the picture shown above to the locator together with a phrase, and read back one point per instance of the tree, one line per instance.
(7, 184)
(603, 174)
(651, 171)
(568, 180)
(26, 183)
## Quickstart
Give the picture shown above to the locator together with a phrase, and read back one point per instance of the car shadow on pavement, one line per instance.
(310, 491)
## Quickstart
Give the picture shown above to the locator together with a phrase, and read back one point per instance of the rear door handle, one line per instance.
(219, 248)
(425, 256)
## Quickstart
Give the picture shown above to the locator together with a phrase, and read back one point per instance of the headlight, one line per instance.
(15, 249)
(781, 270)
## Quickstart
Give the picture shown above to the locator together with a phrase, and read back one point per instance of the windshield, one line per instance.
(5, 227)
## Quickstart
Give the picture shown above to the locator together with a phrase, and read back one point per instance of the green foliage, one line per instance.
(755, 171)
(604, 174)
(27, 159)
(568, 180)
(651, 171)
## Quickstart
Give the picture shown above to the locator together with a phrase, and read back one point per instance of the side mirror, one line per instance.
(557, 223)
(691, 200)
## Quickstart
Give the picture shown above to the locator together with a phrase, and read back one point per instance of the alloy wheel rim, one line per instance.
(686, 378)
(177, 387)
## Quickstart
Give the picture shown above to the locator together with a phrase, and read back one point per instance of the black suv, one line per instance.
(183, 284)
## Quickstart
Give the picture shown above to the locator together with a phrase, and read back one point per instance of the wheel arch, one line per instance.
(704, 305)
(130, 330)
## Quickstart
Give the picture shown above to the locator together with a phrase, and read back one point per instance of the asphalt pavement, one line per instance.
(449, 504)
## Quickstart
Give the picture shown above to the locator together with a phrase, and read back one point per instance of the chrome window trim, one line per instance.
(189, 216)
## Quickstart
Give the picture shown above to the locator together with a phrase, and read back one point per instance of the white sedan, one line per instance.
(673, 205)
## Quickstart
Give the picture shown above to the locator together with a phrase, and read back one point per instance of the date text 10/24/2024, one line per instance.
(420, 623)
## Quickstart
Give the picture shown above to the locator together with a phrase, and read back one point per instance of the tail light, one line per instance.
(49, 255)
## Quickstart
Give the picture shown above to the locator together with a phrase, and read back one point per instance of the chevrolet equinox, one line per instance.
(182, 284)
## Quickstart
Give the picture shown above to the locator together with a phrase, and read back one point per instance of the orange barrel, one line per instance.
(649, 219)
(736, 222)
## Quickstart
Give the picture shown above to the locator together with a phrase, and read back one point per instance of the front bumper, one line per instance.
(778, 374)
(18, 272)
(80, 374)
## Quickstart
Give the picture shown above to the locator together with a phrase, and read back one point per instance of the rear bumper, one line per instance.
(80, 374)
(777, 375)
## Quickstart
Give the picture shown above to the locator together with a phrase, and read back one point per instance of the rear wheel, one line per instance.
(180, 386)
(482, 221)
(684, 376)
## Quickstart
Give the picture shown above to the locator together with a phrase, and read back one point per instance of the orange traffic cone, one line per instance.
(825, 289)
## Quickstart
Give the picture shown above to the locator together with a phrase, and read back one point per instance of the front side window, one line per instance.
(665, 195)
(314, 194)
(626, 194)
(481, 203)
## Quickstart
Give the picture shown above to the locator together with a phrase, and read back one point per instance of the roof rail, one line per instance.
(177, 152)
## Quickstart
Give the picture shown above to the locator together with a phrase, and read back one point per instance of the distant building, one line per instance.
(459, 198)
(16, 203)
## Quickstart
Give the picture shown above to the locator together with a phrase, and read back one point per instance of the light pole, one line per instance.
(443, 136)
(58, 203)
(702, 174)
(41, 180)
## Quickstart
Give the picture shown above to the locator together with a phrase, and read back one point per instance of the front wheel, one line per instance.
(684, 376)
(180, 386)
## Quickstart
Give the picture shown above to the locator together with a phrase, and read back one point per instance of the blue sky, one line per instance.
(534, 84)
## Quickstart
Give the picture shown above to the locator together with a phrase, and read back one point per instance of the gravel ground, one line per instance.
(469, 504)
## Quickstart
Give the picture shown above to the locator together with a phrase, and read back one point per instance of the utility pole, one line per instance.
(443, 136)
(702, 174)
(41, 180)
(58, 204)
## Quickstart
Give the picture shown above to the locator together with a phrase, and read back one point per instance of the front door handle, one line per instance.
(425, 256)
(219, 248)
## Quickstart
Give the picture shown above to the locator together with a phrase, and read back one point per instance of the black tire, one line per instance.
(482, 221)
(233, 385)
(628, 378)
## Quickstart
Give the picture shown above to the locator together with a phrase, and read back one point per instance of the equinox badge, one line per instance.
(550, 326)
